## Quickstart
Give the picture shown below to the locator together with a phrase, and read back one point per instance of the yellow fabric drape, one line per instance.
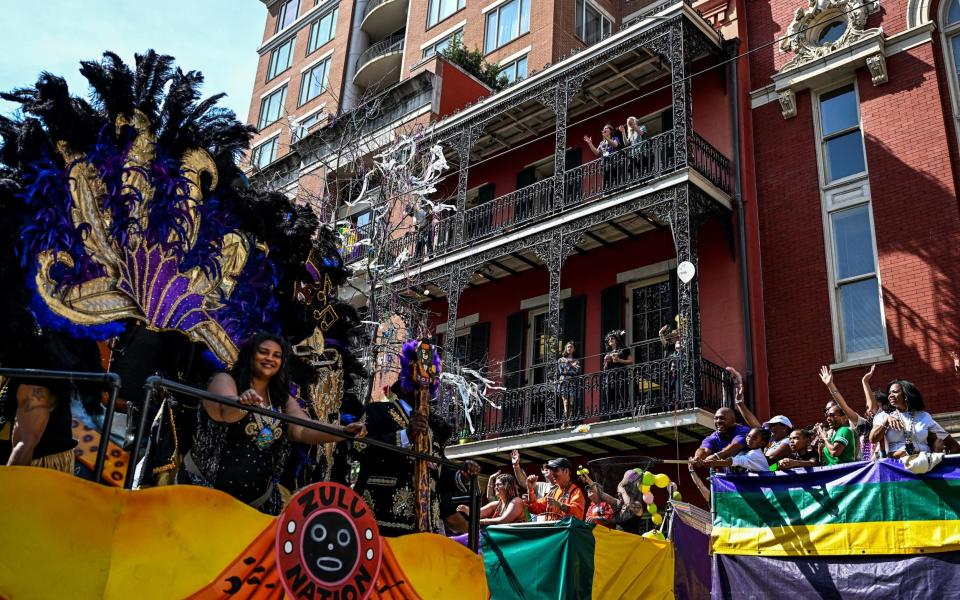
(627, 566)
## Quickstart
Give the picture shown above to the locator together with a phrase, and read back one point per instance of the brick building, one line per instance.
(801, 159)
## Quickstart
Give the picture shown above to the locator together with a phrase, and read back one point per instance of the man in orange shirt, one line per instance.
(565, 498)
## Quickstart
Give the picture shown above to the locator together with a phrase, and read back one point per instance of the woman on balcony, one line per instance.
(605, 149)
(615, 399)
(632, 136)
(568, 368)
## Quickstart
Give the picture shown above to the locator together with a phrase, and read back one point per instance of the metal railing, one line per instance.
(110, 379)
(157, 385)
(651, 387)
(709, 162)
(394, 43)
(515, 208)
(359, 251)
(610, 174)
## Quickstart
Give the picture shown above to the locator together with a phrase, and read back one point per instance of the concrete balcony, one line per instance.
(379, 65)
(383, 17)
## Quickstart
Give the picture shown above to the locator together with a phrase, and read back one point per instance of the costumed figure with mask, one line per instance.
(409, 496)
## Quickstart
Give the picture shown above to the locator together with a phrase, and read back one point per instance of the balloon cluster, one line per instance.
(581, 471)
(646, 484)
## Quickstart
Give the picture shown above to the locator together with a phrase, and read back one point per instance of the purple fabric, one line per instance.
(714, 443)
(691, 575)
(837, 577)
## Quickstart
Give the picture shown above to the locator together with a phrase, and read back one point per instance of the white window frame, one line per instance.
(282, 12)
(258, 149)
(281, 89)
(947, 32)
(324, 63)
(432, 47)
(604, 15)
(664, 275)
(496, 11)
(843, 194)
(460, 5)
(334, 15)
(531, 341)
(513, 65)
(271, 75)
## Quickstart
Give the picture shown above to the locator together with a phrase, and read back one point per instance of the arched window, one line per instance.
(950, 32)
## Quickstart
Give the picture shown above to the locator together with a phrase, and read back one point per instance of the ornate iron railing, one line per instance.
(646, 388)
(361, 246)
(627, 168)
(709, 161)
(394, 43)
(515, 208)
(610, 174)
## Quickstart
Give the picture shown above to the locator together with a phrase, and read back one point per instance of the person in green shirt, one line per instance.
(839, 444)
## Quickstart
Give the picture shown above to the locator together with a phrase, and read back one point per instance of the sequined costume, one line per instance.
(386, 479)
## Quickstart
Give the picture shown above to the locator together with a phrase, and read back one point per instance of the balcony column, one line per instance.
(680, 92)
(468, 135)
(683, 225)
(558, 99)
(554, 253)
(454, 286)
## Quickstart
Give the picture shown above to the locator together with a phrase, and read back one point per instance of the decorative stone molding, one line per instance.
(824, 27)
(788, 103)
(829, 42)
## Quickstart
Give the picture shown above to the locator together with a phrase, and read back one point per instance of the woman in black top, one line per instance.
(240, 452)
(568, 368)
(615, 379)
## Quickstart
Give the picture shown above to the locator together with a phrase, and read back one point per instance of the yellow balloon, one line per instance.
(644, 488)
(661, 480)
(654, 534)
(657, 519)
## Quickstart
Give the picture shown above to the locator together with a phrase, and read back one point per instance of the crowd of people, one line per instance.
(894, 424)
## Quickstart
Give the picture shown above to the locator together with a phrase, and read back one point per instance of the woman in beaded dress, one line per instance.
(243, 453)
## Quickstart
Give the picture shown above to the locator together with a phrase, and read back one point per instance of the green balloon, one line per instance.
(652, 509)
(677, 497)
(647, 478)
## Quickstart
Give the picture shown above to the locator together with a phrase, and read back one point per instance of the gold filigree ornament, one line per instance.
(141, 280)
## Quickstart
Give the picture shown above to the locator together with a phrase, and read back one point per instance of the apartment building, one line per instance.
(791, 203)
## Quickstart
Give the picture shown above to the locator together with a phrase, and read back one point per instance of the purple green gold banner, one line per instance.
(857, 509)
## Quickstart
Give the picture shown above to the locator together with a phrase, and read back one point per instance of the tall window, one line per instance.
(303, 127)
(439, 10)
(592, 25)
(650, 308)
(280, 59)
(950, 30)
(515, 70)
(315, 81)
(271, 107)
(322, 30)
(442, 45)
(856, 297)
(505, 23)
(287, 14)
(265, 153)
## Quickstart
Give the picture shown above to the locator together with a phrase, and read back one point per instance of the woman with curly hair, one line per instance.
(243, 453)
(909, 429)
(616, 389)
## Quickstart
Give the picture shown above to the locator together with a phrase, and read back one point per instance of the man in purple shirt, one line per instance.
(728, 440)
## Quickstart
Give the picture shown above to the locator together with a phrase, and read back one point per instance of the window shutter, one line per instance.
(526, 177)
(514, 356)
(485, 193)
(573, 158)
(574, 323)
(674, 297)
(479, 344)
(611, 312)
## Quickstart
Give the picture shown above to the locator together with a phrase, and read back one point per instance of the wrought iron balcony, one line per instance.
(642, 389)
(629, 168)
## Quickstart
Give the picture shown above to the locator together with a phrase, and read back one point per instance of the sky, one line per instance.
(217, 37)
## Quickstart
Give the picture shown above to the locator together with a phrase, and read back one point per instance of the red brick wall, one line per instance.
(916, 224)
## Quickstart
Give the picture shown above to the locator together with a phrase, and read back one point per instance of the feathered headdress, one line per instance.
(419, 366)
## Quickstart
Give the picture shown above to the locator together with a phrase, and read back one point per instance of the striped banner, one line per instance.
(848, 510)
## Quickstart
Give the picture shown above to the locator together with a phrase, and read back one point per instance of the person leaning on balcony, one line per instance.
(568, 368)
(802, 451)
(839, 442)
(615, 380)
(728, 440)
(753, 459)
(605, 150)
(861, 426)
(632, 135)
(910, 429)
(564, 500)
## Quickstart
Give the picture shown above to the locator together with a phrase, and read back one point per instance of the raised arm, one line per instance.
(589, 141)
(34, 405)
(871, 401)
(826, 376)
(748, 417)
(517, 469)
